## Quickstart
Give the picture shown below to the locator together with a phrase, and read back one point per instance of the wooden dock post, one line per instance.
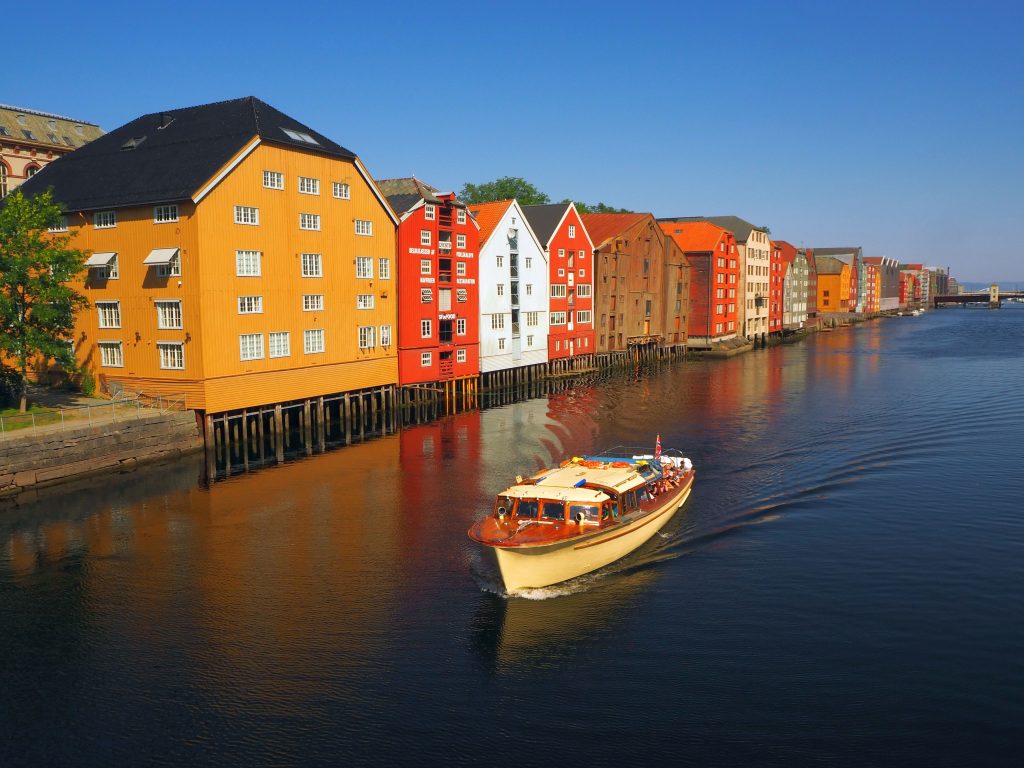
(321, 438)
(278, 434)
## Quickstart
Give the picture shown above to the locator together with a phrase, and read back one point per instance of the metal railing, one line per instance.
(127, 406)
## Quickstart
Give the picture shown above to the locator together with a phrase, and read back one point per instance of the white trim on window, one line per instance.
(104, 219)
(312, 265)
(172, 355)
(165, 214)
(280, 344)
(248, 263)
(168, 314)
(250, 346)
(309, 186)
(247, 214)
(364, 227)
(111, 354)
(313, 341)
(342, 191)
(273, 180)
(309, 221)
(364, 267)
(312, 302)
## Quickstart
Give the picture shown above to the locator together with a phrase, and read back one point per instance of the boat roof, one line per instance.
(558, 493)
(566, 483)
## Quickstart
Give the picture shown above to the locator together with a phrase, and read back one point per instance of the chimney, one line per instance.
(165, 120)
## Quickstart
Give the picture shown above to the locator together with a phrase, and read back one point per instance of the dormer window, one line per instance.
(132, 143)
(305, 138)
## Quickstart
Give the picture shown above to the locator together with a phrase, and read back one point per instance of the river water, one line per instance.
(845, 585)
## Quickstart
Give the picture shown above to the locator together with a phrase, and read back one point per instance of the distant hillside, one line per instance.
(972, 287)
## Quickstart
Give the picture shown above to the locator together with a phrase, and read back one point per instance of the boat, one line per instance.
(589, 511)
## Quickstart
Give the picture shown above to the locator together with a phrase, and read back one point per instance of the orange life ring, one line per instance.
(621, 464)
(591, 464)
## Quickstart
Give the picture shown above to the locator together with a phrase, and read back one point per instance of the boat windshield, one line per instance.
(588, 513)
(553, 510)
(526, 508)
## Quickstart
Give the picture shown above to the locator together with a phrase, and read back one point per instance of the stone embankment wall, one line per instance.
(49, 457)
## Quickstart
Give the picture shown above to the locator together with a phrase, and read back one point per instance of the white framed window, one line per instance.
(385, 335)
(426, 329)
(529, 289)
(501, 343)
(313, 341)
(561, 272)
(584, 316)
(364, 227)
(164, 214)
(460, 216)
(342, 191)
(425, 267)
(529, 340)
(172, 355)
(460, 241)
(424, 237)
(246, 214)
(248, 263)
(273, 180)
(497, 322)
(310, 221)
(460, 355)
(60, 226)
(280, 344)
(366, 336)
(426, 359)
(558, 318)
(582, 273)
(583, 290)
(168, 314)
(499, 261)
(111, 354)
(364, 267)
(558, 291)
(501, 289)
(104, 219)
(312, 302)
(364, 301)
(312, 265)
(429, 212)
(250, 346)
(109, 314)
(528, 262)
(461, 295)
(111, 271)
(460, 326)
(572, 230)
(308, 186)
(460, 268)
(250, 305)
(171, 269)
(384, 269)
(426, 295)
(532, 318)
(561, 253)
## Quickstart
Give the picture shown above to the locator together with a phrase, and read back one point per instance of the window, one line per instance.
(313, 341)
(558, 318)
(342, 191)
(273, 180)
(308, 186)
(583, 290)
(460, 356)
(163, 214)
(110, 271)
(501, 343)
(425, 267)
(424, 237)
(501, 289)
(171, 269)
(309, 221)
(384, 269)
(497, 322)
(111, 354)
(460, 268)
(529, 340)
(172, 355)
(499, 262)
(104, 219)
(460, 216)
(429, 212)
(109, 314)
(558, 291)
(426, 295)
(460, 241)
(461, 295)
(529, 262)
(582, 273)
(60, 226)
(561, 253)
(532, 318)
(529, 289)
(247, 263)
(364, 267)
(718, 309)
(305, 138)
(364, 301)
(572, 230)
(385, 335)
(251, 346)
(312, 302)
(250, 305)
(245, 214)
(280, 344)
(168, 314)
(366, 334)
(311, 265)
(426, 358)
(364, 227)
(426, 328)
(460, 326)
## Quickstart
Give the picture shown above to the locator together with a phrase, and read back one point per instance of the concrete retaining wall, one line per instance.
(49, 457)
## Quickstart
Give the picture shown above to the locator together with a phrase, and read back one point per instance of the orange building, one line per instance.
(833, 284)
(238, 258)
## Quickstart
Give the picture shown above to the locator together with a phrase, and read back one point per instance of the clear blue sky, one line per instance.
(893, 125)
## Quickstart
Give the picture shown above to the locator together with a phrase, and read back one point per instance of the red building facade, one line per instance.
(438, 279)
(775, 278)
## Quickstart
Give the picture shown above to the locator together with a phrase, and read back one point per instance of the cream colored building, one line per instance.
(30, 139)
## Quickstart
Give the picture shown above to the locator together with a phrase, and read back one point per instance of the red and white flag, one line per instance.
(657, 447)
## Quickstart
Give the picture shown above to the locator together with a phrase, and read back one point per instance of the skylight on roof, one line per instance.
(305, 138)
(133, 142)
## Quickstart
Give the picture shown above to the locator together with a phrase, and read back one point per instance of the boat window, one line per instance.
(526, 508)
(629, 500)
(554, 510)
(610, 510)
(586, 512)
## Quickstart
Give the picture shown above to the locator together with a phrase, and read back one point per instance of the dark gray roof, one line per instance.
(173, 162)
(544, 219)
(740, 228)
(402, 203)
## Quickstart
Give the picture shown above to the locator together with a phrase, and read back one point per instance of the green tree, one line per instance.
(37, 305)
(504, 188)
(596, 208)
